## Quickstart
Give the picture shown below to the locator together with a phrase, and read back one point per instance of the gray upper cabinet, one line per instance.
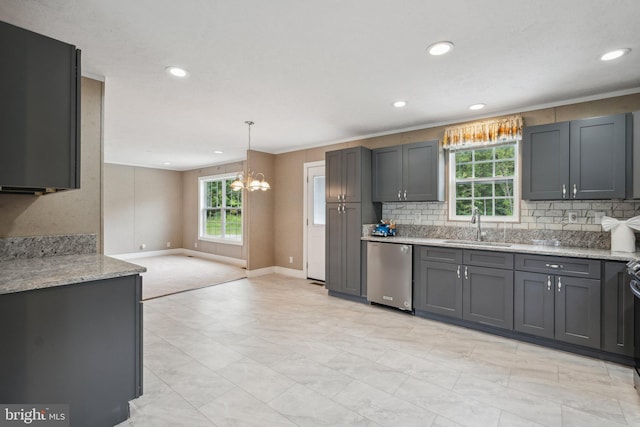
(597, 162)
(409, 172)
(617, 310)
(39, 113)
(344, 175)
(581, 159)
(545, 162)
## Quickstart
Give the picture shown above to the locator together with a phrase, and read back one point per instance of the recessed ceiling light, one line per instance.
(177, 72)
(217, 152)
(615, 54)
(166, 163)
(440, 48)
(400, 104)
(477, 106)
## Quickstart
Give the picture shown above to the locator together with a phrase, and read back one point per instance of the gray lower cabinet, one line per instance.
(480, 293)
(487, 296)
(343, 248)
(566, 306)
(617, 310)
(79, 344)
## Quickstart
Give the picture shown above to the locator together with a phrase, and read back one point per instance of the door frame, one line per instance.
(305, 213)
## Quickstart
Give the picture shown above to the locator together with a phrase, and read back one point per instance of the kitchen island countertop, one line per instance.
(26, 274)
(602, 254)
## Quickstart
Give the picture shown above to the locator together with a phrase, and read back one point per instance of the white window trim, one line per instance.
(201, 201)
(489, 219)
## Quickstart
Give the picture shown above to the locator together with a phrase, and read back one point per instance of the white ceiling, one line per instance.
(316, 72)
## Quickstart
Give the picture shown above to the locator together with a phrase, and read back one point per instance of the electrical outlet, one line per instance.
(572, 217)
(290, 260)
(195, 245)
(418, 217)
(168, 244)
(142, 247)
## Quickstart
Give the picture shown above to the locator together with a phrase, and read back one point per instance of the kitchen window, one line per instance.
(220, 216)
(485, 178)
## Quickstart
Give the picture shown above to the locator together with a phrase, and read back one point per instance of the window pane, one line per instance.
(318, 200)
(504, 207)
(213, 194)
(504, 188)
(483, 190)
(463, 190)
(506, 168)
(486, 154)
(484, 170)
(464, 171)
(234, 198)
(484, 205)
(233, 224)
(463, 207)
(505, 152)
(463, 156)
(213, 222)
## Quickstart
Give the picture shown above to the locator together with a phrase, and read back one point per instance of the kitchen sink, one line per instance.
(476, 243)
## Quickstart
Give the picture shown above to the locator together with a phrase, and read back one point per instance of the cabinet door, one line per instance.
(387, 174)
(533, 299)
(487, 296)
(352, 174)
(351, 248)
(617, 309)
(333, 180)
(577, 311)
(545, 162)
(598, 158)
(420, 171)
(438, 288)
(334, 273)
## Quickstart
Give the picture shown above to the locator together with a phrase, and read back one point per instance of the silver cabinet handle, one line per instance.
(548, 283)
(554, 265)
(559, 284)
(575, 190)
(466, 272)
(405, 194)
(399, 198)
(458, 272)
(564, 191)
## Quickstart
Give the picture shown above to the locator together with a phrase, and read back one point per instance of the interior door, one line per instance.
(316, 222)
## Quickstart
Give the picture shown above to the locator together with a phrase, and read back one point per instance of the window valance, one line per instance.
(487, 132)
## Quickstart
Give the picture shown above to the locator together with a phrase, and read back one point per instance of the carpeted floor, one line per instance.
(169, 274)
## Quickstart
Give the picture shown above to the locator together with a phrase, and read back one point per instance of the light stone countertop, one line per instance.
(27, 274)
(602, 254)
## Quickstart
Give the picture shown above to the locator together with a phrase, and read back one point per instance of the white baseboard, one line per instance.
(147, 254)
(298, 274)
(290, 272)
(181, 251)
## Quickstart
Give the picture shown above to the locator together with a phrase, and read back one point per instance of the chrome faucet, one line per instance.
(475, 219)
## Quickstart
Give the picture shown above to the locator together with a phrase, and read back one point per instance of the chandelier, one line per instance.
(251, 181)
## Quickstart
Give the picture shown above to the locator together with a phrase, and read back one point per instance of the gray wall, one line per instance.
(141, 206)
(67, 212)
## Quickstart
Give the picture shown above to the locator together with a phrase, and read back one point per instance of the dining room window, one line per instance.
(220, 210)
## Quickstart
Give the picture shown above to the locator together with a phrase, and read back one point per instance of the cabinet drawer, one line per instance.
(577, 267)
(434, 253)
(488, 259)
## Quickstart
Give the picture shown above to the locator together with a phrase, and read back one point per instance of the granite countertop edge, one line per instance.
(602, 254)
(27, 274)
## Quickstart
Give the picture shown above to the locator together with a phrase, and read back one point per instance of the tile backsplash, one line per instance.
(538, 220)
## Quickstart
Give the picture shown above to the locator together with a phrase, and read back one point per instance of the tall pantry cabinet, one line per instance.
(349, 206)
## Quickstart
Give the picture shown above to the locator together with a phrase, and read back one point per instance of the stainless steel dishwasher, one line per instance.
(389, 273)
